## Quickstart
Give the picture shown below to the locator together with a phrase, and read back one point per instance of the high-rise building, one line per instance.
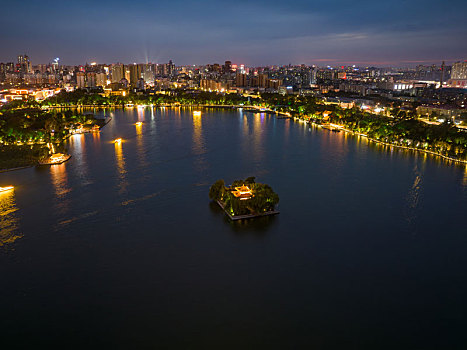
(459, 70)
(171, 67)
(9, 67)
(140, 84)
(148, 73)
(241, 79)
(263, 80)
(101, 79)
(24, 64)
(55, 65)
(227, 67)
(127, 74)
(91, 79)
(117, 73)
(135, 73)
(81, 80)
(165, 69)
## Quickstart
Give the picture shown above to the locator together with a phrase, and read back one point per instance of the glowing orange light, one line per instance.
(6, 188)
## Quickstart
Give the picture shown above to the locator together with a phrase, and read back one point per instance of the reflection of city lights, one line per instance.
(197, 113)
(6, 189)
(120, 167)
(9, 222)
(118, 141)
(139, 128)
(60, 183)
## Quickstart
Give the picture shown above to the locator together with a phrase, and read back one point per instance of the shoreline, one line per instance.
(248, 216)
(354, 133)
(44, 162)
(18, 168)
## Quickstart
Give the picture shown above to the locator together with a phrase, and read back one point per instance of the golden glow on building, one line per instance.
(243, 192)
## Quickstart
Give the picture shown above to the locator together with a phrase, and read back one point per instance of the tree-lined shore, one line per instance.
(399, 128)
(29, 134)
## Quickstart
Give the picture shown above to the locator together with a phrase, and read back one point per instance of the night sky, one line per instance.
(258, 32)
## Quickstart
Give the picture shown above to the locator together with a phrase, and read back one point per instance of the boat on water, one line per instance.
(6, 188)
(331, 127)
(57, 158)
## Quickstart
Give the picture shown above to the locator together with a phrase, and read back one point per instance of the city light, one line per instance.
(6, 188)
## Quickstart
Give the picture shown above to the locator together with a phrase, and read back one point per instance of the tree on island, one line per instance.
(216, 192)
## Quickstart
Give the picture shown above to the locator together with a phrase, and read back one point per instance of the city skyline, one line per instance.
(263, 33)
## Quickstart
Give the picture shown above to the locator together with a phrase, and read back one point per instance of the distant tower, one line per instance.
(24, 64)
(227, 66)
(55, 64)
(442, 75)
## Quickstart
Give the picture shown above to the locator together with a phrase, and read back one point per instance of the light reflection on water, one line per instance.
(199, 147)
(62, 188)
(9, 223)
(140, 145)
(121, 172)
(77, 148)
(258, 135)
(198, 141)
(344, 202)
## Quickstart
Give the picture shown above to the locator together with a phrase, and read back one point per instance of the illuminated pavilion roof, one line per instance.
(243, 192)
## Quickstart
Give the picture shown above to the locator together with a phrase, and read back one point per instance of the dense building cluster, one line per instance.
(436, 91)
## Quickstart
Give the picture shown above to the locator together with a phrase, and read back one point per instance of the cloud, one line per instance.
(259, 32)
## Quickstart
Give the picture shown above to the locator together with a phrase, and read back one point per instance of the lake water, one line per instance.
(121, 248)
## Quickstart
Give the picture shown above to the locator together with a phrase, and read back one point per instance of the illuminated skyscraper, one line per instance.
(148, 73)
(459, 70)
(117, 73)
(81, 80)
(24, 64)
(101, 79)
(135, 74)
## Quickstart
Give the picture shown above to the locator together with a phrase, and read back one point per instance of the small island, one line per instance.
(244, 199)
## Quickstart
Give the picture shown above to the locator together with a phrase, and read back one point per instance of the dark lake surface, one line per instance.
(121, 248)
